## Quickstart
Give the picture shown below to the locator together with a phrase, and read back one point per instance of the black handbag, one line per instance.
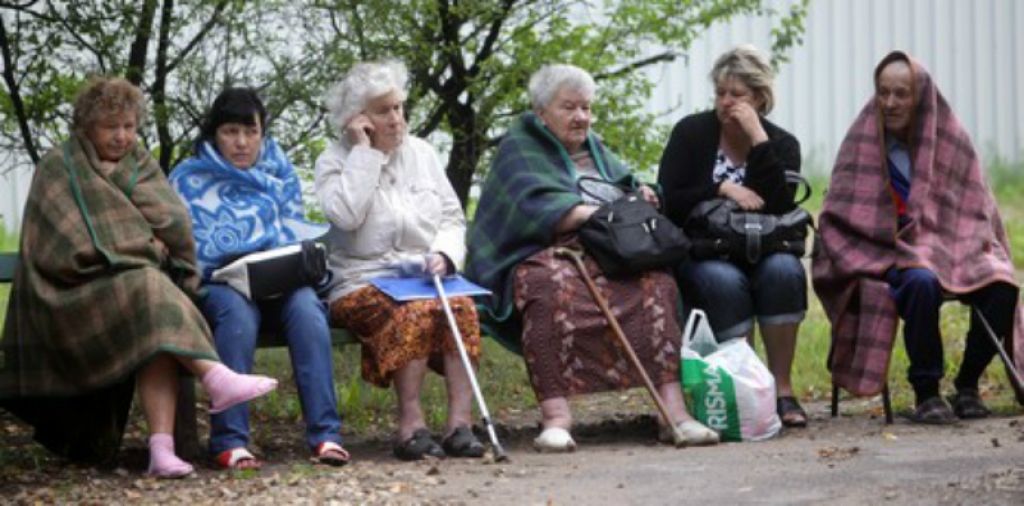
(270, 274)
(719, 228)
(628, 236)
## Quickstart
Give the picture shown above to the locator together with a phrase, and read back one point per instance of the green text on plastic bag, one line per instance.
(711, 397)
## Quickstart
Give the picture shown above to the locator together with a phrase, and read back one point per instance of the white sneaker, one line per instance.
(697, 434)
(693, 432)
(554, 440)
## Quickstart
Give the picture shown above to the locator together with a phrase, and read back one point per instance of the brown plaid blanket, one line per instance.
(954, 230)
(105, 263)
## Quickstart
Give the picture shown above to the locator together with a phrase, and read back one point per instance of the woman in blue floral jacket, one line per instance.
(244, 196)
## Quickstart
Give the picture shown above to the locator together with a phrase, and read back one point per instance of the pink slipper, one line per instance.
(228, 389)
(163, 463)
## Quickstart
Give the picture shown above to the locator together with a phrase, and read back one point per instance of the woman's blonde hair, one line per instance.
(363, 83)
(752, 68)
(103, 96)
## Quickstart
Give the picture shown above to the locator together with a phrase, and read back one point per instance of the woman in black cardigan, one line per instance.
(734, 152)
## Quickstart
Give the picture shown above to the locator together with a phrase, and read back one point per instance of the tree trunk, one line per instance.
(468, 143)
(159, 91)
(140, 47)
(11, 80)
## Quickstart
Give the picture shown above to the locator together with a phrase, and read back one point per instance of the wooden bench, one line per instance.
(186, 433)
(8, 261)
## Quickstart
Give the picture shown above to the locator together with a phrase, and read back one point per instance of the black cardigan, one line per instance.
(689, 161)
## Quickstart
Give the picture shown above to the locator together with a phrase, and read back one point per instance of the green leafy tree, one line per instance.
(181, 53)
(469, 61)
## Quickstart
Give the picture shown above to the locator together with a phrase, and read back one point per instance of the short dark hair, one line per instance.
(233, 105)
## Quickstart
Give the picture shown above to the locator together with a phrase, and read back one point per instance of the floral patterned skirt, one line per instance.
(394, 333)
(569, 346)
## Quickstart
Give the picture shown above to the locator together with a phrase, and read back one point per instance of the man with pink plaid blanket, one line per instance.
(909, 222)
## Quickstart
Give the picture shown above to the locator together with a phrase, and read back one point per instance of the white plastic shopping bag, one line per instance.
(727, 386)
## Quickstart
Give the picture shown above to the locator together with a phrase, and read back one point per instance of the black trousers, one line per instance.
(919, 296)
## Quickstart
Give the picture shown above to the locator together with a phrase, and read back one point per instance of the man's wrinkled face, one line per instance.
(894, 91)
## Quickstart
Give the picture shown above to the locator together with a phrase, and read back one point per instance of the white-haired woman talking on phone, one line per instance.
(390, 206)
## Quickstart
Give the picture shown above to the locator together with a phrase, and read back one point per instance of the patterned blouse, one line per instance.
(726, 171)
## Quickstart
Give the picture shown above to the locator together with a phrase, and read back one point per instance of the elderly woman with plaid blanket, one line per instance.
(908, 222)
(103, 296)
(530, 204)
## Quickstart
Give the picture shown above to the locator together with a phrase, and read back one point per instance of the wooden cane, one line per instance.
(1011, 369)
(577, 259)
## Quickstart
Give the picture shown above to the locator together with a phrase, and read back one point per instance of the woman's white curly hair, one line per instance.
(363, 83)
(545, 83)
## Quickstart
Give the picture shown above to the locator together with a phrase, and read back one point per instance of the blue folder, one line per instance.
(420, 288)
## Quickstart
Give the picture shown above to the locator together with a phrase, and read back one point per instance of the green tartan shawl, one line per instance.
(105, 277)
(530, 187)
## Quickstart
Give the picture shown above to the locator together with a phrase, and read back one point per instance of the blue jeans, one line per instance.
(301, 318)
(774, 290)
(919, 295)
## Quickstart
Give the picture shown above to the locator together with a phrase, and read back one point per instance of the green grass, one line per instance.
(370, 411)
(1007, 181)
(8, 242)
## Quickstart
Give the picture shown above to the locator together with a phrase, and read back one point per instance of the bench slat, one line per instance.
(8, 262)
(339, 337)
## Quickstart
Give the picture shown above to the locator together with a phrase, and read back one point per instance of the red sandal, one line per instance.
(331, 454)
(238, 459)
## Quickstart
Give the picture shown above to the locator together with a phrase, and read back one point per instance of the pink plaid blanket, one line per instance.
(954, 230)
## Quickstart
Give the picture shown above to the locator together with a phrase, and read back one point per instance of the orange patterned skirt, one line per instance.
(394, 333)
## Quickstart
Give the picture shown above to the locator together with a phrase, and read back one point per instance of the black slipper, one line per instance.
(463, 443)
(790, 412)
(933, 411)
(967, 405)
(420, 445)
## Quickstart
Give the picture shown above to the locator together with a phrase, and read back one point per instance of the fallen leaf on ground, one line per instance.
(835, 453)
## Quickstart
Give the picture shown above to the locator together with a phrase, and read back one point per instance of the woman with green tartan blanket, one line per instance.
(531, 204)
(101, 297)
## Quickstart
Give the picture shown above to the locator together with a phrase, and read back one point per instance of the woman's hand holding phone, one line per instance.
(360, 130)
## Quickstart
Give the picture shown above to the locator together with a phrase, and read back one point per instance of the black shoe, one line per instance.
(967, 404)
(463, 443)
(419, 446)
(790, 412)
(933, 411)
